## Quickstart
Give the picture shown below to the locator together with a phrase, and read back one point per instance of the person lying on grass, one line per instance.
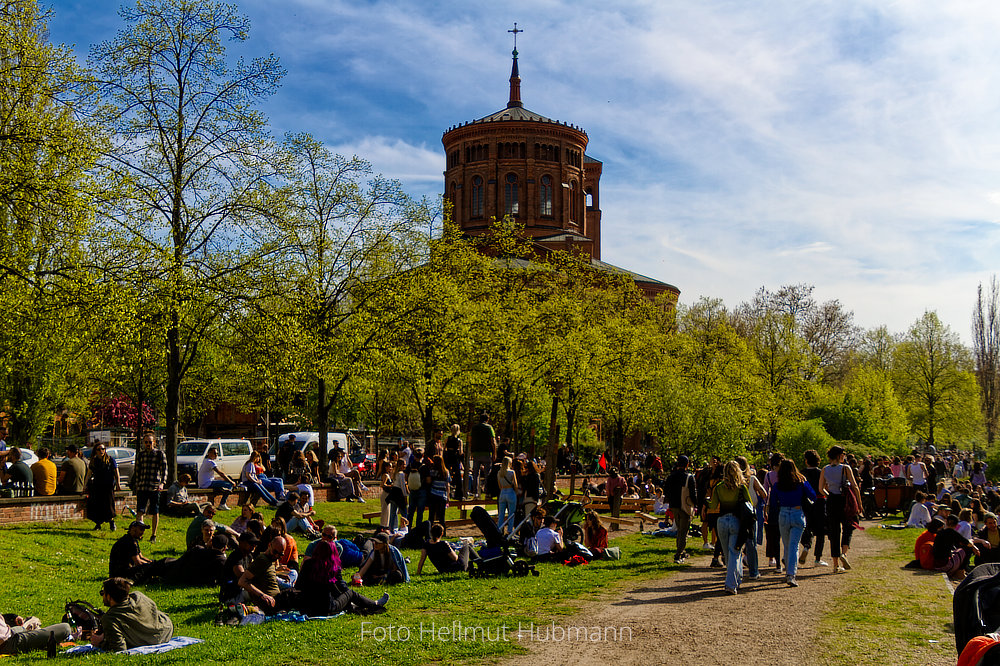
(19, 635)
(441, 554)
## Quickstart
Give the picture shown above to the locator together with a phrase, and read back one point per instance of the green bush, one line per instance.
(796, 438)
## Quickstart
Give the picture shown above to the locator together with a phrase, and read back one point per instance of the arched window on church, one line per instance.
(510, 201)
(477, 196)
(545, 197)
(574, 194)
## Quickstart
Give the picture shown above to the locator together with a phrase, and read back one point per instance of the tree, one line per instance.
(932, 373)
(986, 347)
(45, 209)
(191, 153)
(348, 234)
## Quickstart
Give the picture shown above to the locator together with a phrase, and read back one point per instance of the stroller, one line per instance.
(495, 558)
(976, 604)
(570, 516)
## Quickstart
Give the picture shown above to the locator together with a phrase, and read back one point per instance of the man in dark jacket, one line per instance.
(682, 504)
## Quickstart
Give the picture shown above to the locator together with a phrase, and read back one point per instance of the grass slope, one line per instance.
(50, 563)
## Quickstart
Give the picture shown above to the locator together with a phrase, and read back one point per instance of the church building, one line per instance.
(520, 163)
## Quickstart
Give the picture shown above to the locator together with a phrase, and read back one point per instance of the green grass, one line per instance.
(890, 614)
(48, 564)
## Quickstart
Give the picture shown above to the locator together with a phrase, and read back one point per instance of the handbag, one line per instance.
(851, 508)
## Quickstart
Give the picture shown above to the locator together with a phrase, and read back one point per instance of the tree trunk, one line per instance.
(173, 395)
(550, 458)
(322, 423)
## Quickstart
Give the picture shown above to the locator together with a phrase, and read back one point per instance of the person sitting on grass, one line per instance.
(595, 536)
(990, 534)
(952, 551)
(321, 589)
(919, 515)
(381, 566)
(127, 561)
(289, 557)
(260, 581)
(193, 533)
(19, 635)
(132, 619)
(237, 562)
(549, 538)
(923, 549)
(201, 564)
(290, 511)
(441, 554)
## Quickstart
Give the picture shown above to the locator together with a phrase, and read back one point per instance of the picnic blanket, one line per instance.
(173, 644)
(287, 616)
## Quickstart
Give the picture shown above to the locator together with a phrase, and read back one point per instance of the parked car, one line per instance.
(306, 440)
(233, 454)
(28, 457)
(123, 456)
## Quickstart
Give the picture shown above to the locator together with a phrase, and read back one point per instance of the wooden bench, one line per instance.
(464, 505)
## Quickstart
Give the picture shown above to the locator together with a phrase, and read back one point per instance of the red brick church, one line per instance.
(520, 163)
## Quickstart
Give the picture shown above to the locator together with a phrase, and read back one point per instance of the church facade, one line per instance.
(517, 162)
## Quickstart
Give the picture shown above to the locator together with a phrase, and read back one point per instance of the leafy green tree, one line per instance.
(934, 379)
(986, 347)
(45, 210)
(193, 158)
(795, 438)
(347, 234)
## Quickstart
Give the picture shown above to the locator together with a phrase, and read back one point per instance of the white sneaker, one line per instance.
(707, 546)
(224, 507)
(821, 563)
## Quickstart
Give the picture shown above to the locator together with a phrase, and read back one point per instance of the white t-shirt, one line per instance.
(546, 538)
(965, 529)
(249, 472)
(206, 473)
(919, 516)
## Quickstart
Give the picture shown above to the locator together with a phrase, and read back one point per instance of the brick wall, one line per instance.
(68, 507)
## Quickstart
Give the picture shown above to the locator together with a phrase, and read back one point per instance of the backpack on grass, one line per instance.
(82, 614)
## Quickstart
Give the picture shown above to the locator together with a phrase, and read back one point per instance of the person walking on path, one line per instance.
(727, 498)
(788, 497)
(838, 480)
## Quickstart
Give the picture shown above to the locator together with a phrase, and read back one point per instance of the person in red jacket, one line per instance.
(923, 549)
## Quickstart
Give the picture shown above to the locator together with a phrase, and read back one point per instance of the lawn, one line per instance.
(48, 564)
(891, 615)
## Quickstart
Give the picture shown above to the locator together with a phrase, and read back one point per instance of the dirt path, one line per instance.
(688, 618)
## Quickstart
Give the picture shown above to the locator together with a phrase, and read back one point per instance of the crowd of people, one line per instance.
(792, 512)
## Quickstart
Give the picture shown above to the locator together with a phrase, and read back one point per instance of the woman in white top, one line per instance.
(916, 472)
(919, 515)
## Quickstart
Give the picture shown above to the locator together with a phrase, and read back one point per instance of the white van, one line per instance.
(233, 454)
(306, 440)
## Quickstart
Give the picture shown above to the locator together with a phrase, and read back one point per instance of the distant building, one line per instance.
(517, 162)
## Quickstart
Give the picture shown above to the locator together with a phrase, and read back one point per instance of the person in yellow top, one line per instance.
(727, 498)
(44, 472)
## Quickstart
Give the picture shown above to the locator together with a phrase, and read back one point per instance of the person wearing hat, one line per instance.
(126, 559)
(681, 494)
(380, 566)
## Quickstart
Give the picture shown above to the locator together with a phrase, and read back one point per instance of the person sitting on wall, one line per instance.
(72, 473)
(44, 473)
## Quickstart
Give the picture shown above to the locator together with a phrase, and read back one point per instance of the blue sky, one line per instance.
(851, 145)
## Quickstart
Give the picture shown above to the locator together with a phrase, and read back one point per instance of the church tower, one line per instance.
(517, 162)
(520, 163)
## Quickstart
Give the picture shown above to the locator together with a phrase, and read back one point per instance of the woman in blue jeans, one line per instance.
(727, 497)
(507, 502)
(788, 496)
